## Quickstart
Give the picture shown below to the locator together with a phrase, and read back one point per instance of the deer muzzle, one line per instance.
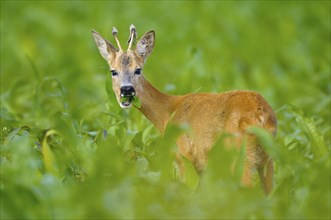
(127, 95)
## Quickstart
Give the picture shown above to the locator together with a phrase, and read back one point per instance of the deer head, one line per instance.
(126, 66)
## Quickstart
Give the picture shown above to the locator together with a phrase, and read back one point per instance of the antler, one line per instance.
(132, 39)
(133, 36)
(115, 35)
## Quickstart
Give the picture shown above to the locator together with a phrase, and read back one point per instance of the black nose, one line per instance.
(127, 91)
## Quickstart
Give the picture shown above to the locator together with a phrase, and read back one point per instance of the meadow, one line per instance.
(69, 152)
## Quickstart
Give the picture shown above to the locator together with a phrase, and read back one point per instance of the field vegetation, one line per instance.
(69, 152)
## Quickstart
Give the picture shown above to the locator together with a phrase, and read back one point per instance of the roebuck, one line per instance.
(207, 115)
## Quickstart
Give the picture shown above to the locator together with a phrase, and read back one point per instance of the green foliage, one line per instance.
(69, 152)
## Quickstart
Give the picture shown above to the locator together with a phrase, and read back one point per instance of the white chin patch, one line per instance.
(125, 105)
(126, 101)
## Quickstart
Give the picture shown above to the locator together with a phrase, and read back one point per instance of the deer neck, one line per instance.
(156, 106)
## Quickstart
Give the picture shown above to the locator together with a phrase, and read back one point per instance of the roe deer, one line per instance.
(207, 115)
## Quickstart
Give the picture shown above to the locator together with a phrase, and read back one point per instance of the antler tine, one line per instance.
(115, 35)
(133, 36)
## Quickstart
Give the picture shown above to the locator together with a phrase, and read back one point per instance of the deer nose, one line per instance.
(127, 91)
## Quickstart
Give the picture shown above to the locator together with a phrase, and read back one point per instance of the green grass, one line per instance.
(68, 150)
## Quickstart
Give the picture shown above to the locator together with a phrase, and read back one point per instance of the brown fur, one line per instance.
(207, 115)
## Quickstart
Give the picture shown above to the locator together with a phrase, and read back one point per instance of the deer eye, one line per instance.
(137, 72)
(113, 72)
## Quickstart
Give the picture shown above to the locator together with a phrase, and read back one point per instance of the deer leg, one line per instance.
(249, 142)
(184, 151)
(266, 175)
(246, 179)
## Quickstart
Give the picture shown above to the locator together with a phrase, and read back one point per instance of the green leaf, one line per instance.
(49, 158)
(191, 178)
(136, 102)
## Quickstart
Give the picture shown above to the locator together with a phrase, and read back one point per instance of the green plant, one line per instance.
(68, 151)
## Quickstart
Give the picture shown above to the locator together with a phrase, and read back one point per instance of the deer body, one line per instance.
(207, 115)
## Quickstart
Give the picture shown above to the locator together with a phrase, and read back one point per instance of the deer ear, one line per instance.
(106, 49)
(146, 44)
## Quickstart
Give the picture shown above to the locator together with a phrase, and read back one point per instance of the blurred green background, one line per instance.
(69, 151)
